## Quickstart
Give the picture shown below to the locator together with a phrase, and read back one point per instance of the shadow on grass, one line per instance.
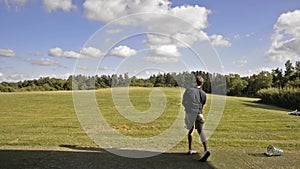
(259, 104)
(261, 155)
(86, 158)
(75, 147)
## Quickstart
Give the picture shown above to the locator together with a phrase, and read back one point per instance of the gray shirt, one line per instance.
(193, 100)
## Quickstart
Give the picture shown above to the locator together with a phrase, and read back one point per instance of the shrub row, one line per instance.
(287, 98)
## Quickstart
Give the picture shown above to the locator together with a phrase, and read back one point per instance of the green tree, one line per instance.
(79, 82)
(278, 79)
(235, 85)
(160, 81)
(297, 69)
(169, 80)
(90, 83)
(262, 80)
(105, 81)
(297, 75)
(127, 80)
(68, 84)
(289, 71)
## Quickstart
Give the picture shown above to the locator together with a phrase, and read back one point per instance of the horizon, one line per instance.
(141, 77)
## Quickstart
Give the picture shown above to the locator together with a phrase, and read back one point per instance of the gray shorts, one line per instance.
(199, 122)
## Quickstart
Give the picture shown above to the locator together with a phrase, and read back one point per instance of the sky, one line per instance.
(59, 38)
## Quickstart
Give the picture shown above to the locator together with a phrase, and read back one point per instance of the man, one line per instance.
(194, 100)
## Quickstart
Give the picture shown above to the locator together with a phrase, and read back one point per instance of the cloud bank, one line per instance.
(7, 52)
(187, 25)
(52, 5)
(286, 39)
(84, 53)
(122, 51)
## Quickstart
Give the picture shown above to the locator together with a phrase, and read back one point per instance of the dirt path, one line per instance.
(82, 157)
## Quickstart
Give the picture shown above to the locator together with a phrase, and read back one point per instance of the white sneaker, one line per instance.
(190, 152)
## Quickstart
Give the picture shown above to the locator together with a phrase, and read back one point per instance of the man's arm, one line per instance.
(204, 100)
(185, 98)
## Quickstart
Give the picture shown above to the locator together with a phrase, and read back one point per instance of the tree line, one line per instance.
(232, 84)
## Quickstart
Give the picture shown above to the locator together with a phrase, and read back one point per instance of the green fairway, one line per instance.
(48, 119)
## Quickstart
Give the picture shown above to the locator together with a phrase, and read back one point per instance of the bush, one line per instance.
(286, 98)
(6, 89)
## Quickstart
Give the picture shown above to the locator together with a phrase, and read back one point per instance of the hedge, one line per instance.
(287, 98)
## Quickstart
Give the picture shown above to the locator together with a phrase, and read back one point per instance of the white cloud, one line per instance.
(139, 6)
(71, 54)
(60, 76)
(185, 16)
(289, 23)
(218, 40)
(236, 36)
(190, 20)
(244, 36)
(122, 51)
(165, 50)
(188, 39)
(195, 15)
(101, 10)
(240, 63)
(161, 59)
(249, 35)
(15, 77)
(21, 77)
(80, 67)
(179, 26)
(106, 11)
(84, 53)
(7, 52)
(43, 62)
(177, 39)
(114, 31)
(91, 51)
(286, 39)
(52, 5)
(103, 68)
(58, 52)
(154, 40)
(14, 3)
(20, 2)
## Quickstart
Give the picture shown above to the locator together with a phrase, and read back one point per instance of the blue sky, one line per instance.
(58, 38)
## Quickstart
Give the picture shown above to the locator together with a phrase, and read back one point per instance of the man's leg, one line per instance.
(190, 140)
(202, 139)
(190, 137)
(204, 146)
(206, 153)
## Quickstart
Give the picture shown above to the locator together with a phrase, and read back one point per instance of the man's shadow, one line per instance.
(86, 157)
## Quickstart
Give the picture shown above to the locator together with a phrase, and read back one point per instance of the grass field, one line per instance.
(39, 120)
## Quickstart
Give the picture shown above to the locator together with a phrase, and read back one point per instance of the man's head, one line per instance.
(199, 80)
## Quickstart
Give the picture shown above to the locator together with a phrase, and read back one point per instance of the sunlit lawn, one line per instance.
(49, 119)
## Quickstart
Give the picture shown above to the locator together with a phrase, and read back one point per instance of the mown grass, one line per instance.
(248, 123)
(140, 101)
(49, 119)
(40, 118)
